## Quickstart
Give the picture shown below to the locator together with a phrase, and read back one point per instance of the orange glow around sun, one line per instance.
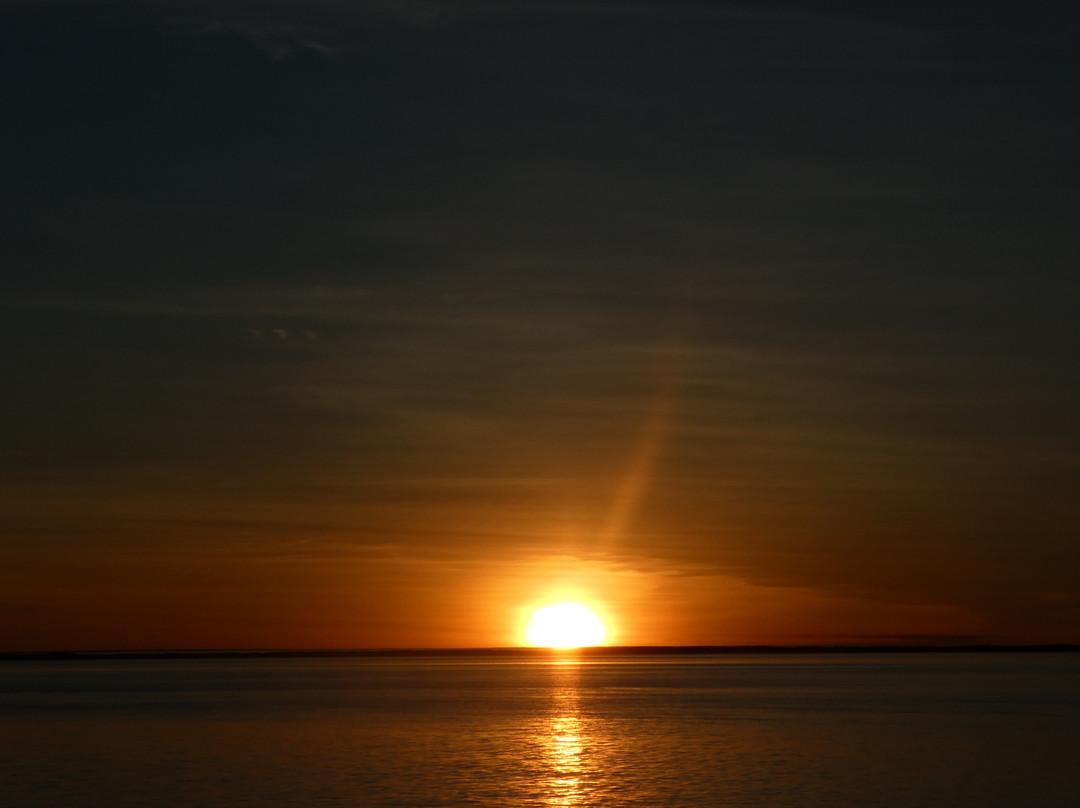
(565, 625)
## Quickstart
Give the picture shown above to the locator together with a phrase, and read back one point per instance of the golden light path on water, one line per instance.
(564, 746)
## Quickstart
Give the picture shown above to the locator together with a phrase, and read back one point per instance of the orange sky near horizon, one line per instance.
(286, 583)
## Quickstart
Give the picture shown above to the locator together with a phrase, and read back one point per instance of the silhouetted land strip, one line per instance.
(600, 652)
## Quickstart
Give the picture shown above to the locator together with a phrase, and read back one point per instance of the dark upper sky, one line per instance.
(374, 323)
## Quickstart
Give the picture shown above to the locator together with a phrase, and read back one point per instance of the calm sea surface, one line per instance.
(917, 731)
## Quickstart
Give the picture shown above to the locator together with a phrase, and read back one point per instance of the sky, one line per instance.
(382, 323)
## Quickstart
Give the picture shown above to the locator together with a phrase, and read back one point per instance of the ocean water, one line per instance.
(912, 731)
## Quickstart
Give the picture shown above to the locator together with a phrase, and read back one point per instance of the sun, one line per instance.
(565, 625)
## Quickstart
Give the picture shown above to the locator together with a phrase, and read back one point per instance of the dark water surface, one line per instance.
(809, 731)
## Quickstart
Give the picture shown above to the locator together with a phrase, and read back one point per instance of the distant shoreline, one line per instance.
(534, 653)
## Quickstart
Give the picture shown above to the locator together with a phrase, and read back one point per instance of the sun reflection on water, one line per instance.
(565, 743)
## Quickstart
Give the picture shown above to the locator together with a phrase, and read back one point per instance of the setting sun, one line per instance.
(565, 625)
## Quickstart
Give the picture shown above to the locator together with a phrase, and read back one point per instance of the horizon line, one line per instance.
(509, 651)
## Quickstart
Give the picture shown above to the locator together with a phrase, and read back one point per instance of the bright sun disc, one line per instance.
(565, 625)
